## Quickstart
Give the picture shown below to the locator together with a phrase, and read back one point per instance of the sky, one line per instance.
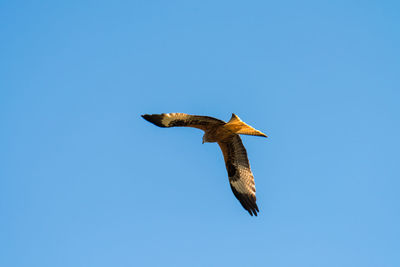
(85, 181)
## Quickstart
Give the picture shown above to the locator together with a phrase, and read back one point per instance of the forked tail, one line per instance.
(236, 125)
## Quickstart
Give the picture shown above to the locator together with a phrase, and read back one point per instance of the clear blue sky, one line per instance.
(85, 181)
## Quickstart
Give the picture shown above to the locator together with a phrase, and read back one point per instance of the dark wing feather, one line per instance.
(182, 120)
(240, 176)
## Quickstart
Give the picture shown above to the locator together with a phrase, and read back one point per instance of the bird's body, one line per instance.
(217, 134)
(227, 136)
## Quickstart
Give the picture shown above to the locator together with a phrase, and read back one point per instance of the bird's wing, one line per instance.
(240, 176)
(183, 120)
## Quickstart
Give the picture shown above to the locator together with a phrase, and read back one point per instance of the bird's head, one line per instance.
(206, 138)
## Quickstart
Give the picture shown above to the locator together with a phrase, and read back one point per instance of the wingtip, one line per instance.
(247, 201)
(253, 211)
(155, 119)
(147, 117)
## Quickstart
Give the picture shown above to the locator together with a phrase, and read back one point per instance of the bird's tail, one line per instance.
(236, 125)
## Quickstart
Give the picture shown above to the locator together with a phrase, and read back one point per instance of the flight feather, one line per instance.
(240, 176)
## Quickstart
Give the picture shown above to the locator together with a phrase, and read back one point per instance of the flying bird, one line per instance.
(227, 136)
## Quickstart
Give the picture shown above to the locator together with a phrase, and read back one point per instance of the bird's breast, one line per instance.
(218, 134)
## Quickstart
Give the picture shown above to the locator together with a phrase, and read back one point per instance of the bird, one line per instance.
(226, 134)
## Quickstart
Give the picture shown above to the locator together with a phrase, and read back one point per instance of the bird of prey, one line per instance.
(227, 136)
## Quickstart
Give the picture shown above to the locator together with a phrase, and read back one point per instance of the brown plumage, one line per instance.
(227, 136)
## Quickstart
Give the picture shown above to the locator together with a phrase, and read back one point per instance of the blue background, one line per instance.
(85, 181)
